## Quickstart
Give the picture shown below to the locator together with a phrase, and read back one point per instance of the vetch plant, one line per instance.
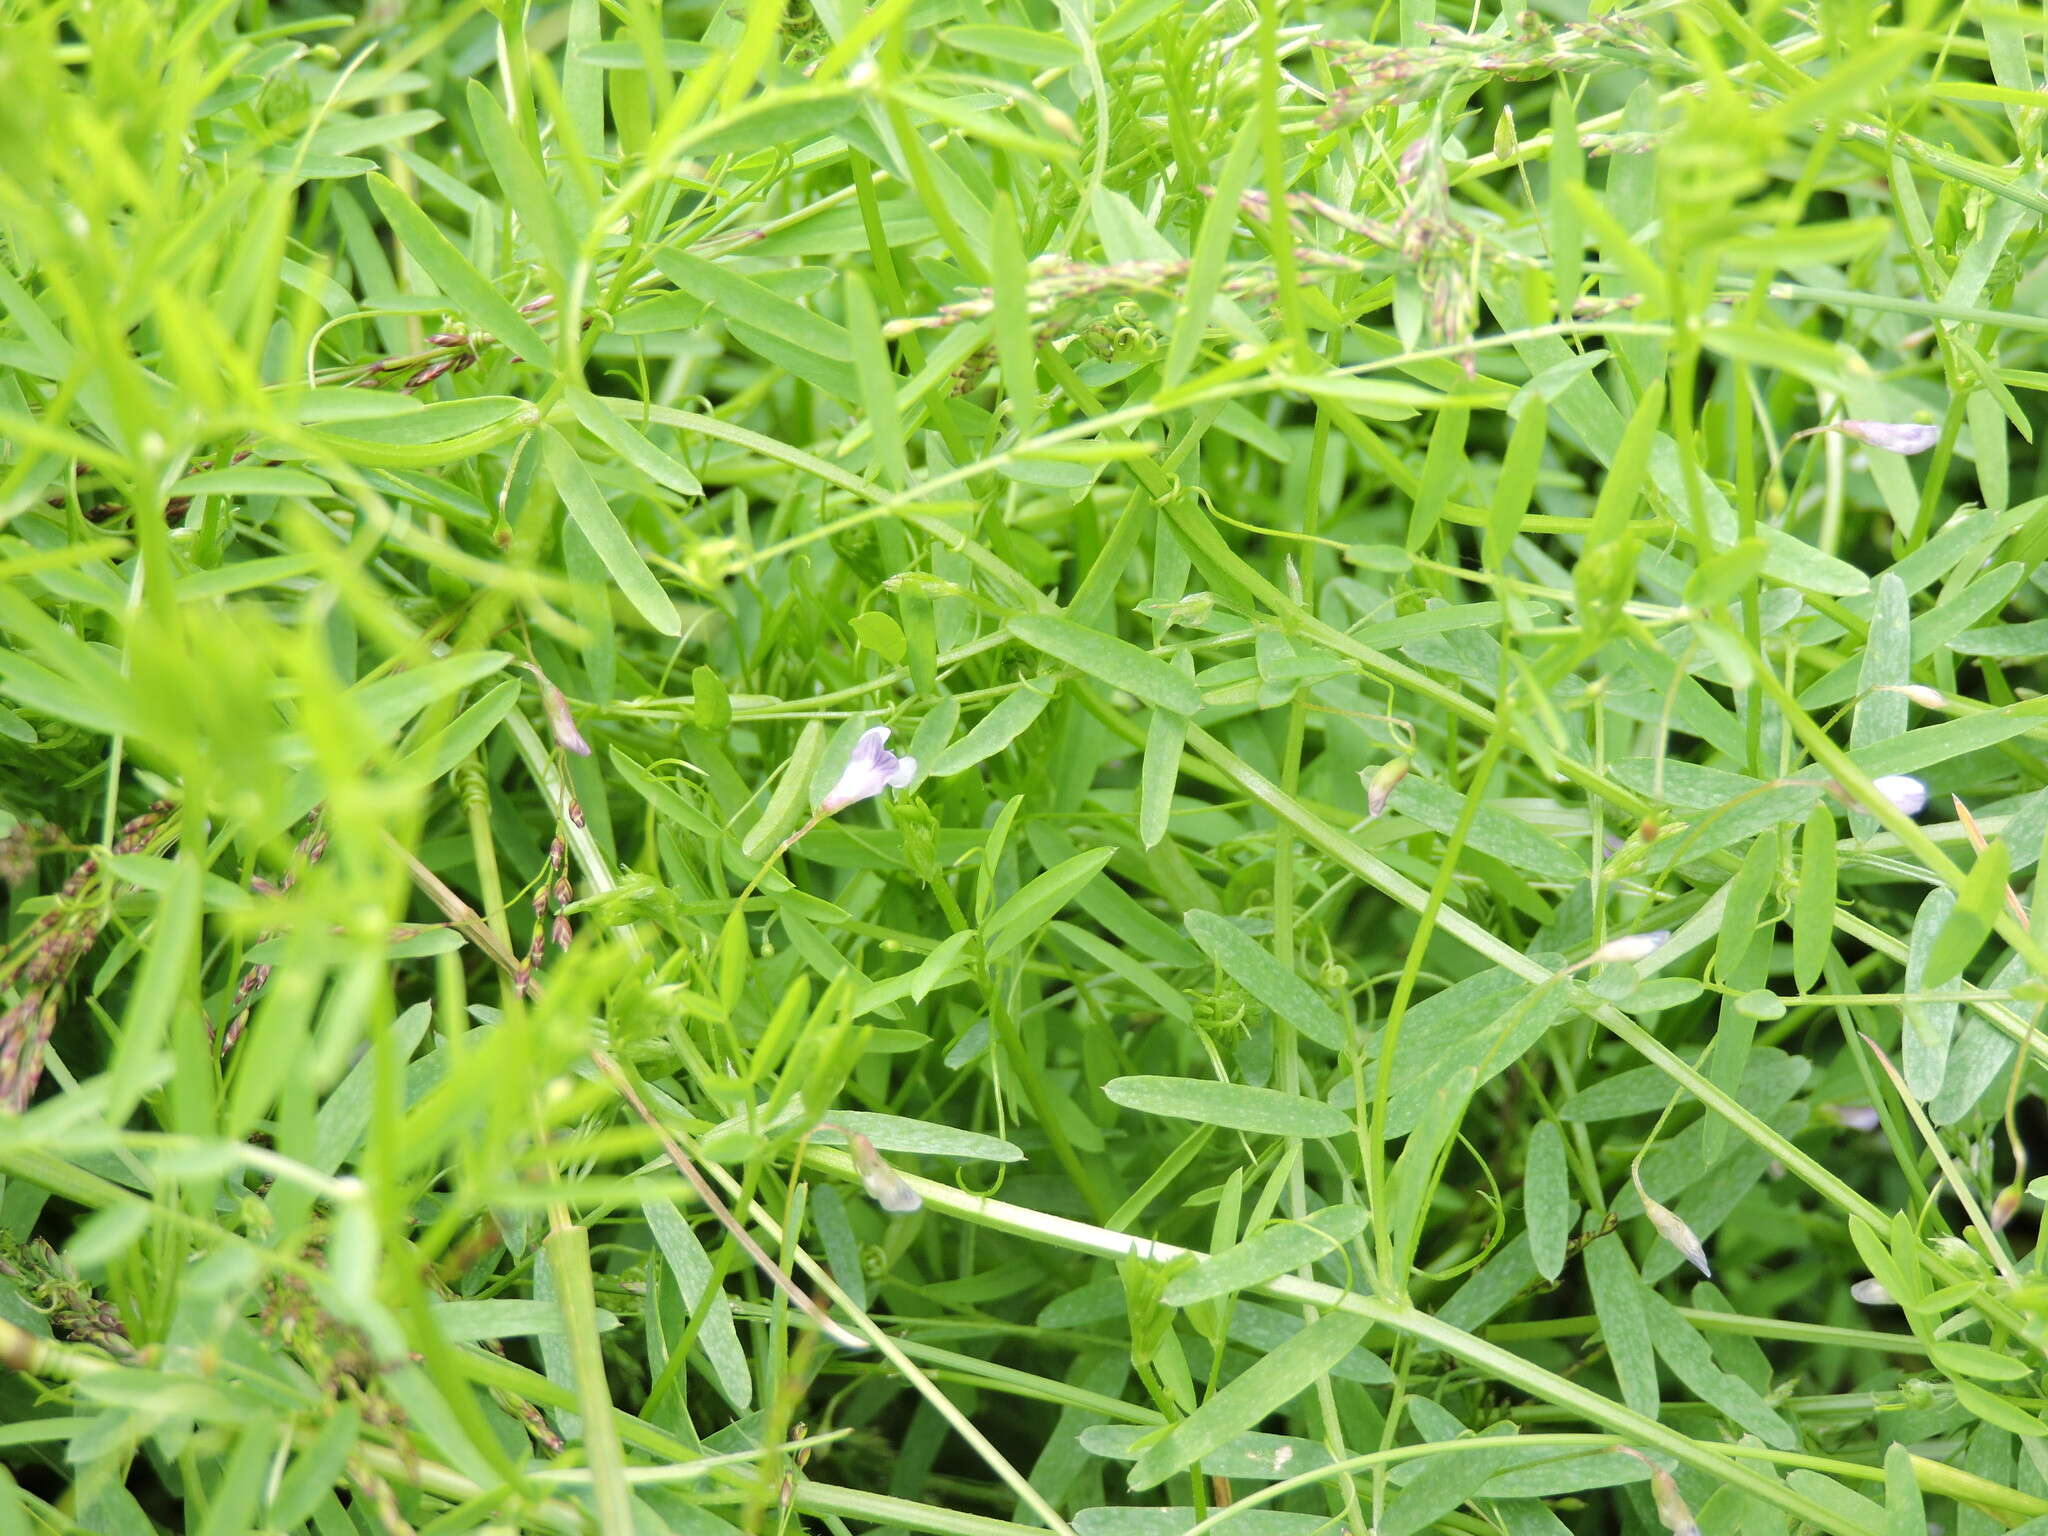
(1411, 746)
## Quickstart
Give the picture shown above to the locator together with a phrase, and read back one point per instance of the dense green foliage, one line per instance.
(1426, 556)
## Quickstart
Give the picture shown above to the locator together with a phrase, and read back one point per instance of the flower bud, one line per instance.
(1629, 947)
(1379, 789)
(1671, 1506)
(2005, 1207)
(1672, 1228)
(560, 722)
(1871, 1294)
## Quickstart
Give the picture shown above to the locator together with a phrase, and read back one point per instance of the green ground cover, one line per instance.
(976, 765)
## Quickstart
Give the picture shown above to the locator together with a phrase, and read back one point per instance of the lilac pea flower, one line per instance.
(1904, 791)
(872, 769)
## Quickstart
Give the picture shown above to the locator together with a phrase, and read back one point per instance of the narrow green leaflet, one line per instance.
(894, 1133)
(1277, 986)
(1546, 1200)
(1978, 904)
(1813, 904)
(809, 345)
(601, 418)
(1024, 914)
(524, 184)
(1279, 1249)
(691, 1266)
(1930, 1027)
(595, 520)
(1233, 1106)
(995, 730)
(468, 289)
(1625, 1330)
(1110, 660)
(1165, 738)
(1268, 1384)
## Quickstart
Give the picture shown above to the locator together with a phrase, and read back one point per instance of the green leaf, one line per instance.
(1813, 904)
(895, 1133)
(1546, 1200)
(1022, 47)
(881, 634)
(1724, 577)
(1442, 469)
(1956, 1357)
(775, 118)
(813, 348)
(1232, 1106)
(787, 806)
(595, 520)
(470, 1322)
(1165, 738)
(1110, 660)
(1492, 831)
(472, 295)
(1963, 932)
(1268, 1385)
(1255, 1457)
(691, 1266)
(1016, 350)
(1905, 1512)
(1516, 482)
(1930, 1027)
(1275, 985)
(524, 184)
(1617, 1301)
(1932, 745)
(1278, 1250)
(599, 418)
(1220, 213)
(875, 378)
(1024, 914)
(995, 730)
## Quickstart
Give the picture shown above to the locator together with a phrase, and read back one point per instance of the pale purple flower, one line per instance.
(561, 723)
(1872, 1294)
(1896, 436)
(1904, 791)
(872, 769)
(884, 1185)
(1856, 1117)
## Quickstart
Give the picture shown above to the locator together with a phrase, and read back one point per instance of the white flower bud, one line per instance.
(1672, 1228)
(1629, 947)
